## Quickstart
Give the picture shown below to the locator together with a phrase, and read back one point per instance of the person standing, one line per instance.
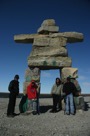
(14, 91)
(32, 97)
(56, 95)
(69, 89)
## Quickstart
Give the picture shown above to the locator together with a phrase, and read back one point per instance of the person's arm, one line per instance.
(74, 89)
(16, 87)
(62, 93)
(64, 88)
(10, 87)
(52, 89)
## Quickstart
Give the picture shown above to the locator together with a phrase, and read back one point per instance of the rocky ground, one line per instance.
(45, 124)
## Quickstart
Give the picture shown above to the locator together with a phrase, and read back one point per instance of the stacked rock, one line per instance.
(69, 71)
(49, 46)
(49, 50)
(31, 74)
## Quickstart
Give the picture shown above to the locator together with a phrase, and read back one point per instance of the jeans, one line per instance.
(38, 106)
(70, 104)
(32, 105)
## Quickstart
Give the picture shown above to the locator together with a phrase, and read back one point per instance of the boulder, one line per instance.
(69, 71)
(48, 22)
(27, 38)
(48, 41)
(49, 62)
(79, 102)
(48, 51)
(48, 29)
(48, 26)
(32, 74)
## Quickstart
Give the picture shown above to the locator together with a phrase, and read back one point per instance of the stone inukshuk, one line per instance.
(49, 49)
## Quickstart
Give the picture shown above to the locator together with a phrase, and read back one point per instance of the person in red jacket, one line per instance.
(32, 97)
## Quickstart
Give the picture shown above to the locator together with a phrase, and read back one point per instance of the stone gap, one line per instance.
(46, 79)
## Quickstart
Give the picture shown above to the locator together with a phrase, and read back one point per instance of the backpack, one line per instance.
(23, 104)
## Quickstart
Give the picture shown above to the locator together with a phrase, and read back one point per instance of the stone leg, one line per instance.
(79, 102)
(31, 74)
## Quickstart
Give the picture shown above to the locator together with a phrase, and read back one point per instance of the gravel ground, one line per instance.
(45, 124)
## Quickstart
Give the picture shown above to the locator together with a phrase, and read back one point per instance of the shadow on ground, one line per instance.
(45, 108)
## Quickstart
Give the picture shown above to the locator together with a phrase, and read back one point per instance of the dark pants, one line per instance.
(56, 101)
(11, 104)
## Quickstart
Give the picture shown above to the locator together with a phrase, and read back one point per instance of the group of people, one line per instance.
(59, 91)
(64, 91)
(30, 100)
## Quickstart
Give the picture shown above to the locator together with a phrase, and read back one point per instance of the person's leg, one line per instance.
(30, 105)
(13, 104)
(34, 107)
(8, 108)
(67, 104)
(53, 97)
(72, 109)
(38, 106)
(10, 105)
(55, 103)
(59, 106)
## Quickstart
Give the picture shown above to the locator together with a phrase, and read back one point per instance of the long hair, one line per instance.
(58, 79)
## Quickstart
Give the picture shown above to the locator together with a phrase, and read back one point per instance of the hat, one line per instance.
(68, 78)
(16, 76)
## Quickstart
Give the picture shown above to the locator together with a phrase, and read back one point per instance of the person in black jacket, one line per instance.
(14, 91)
(69, 89)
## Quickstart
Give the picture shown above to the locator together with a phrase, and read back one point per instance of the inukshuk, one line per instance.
(49, 51)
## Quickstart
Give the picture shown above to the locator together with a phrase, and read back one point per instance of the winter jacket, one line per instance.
(14, 87)
(56, 89)
(68, 88)
(32, 91)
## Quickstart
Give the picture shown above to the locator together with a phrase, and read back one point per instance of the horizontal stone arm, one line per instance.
(27, 38)
(72, 37)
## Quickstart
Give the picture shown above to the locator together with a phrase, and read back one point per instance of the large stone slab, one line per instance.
(79, 102)
(48, 51)
(48, 29)
(49, 62)
(25, 84)
(32, 74)
(48, 22)
(27, 38)
(48, 41)
(48, 26)
(58, 41)
(41, 41)
(71, 36)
